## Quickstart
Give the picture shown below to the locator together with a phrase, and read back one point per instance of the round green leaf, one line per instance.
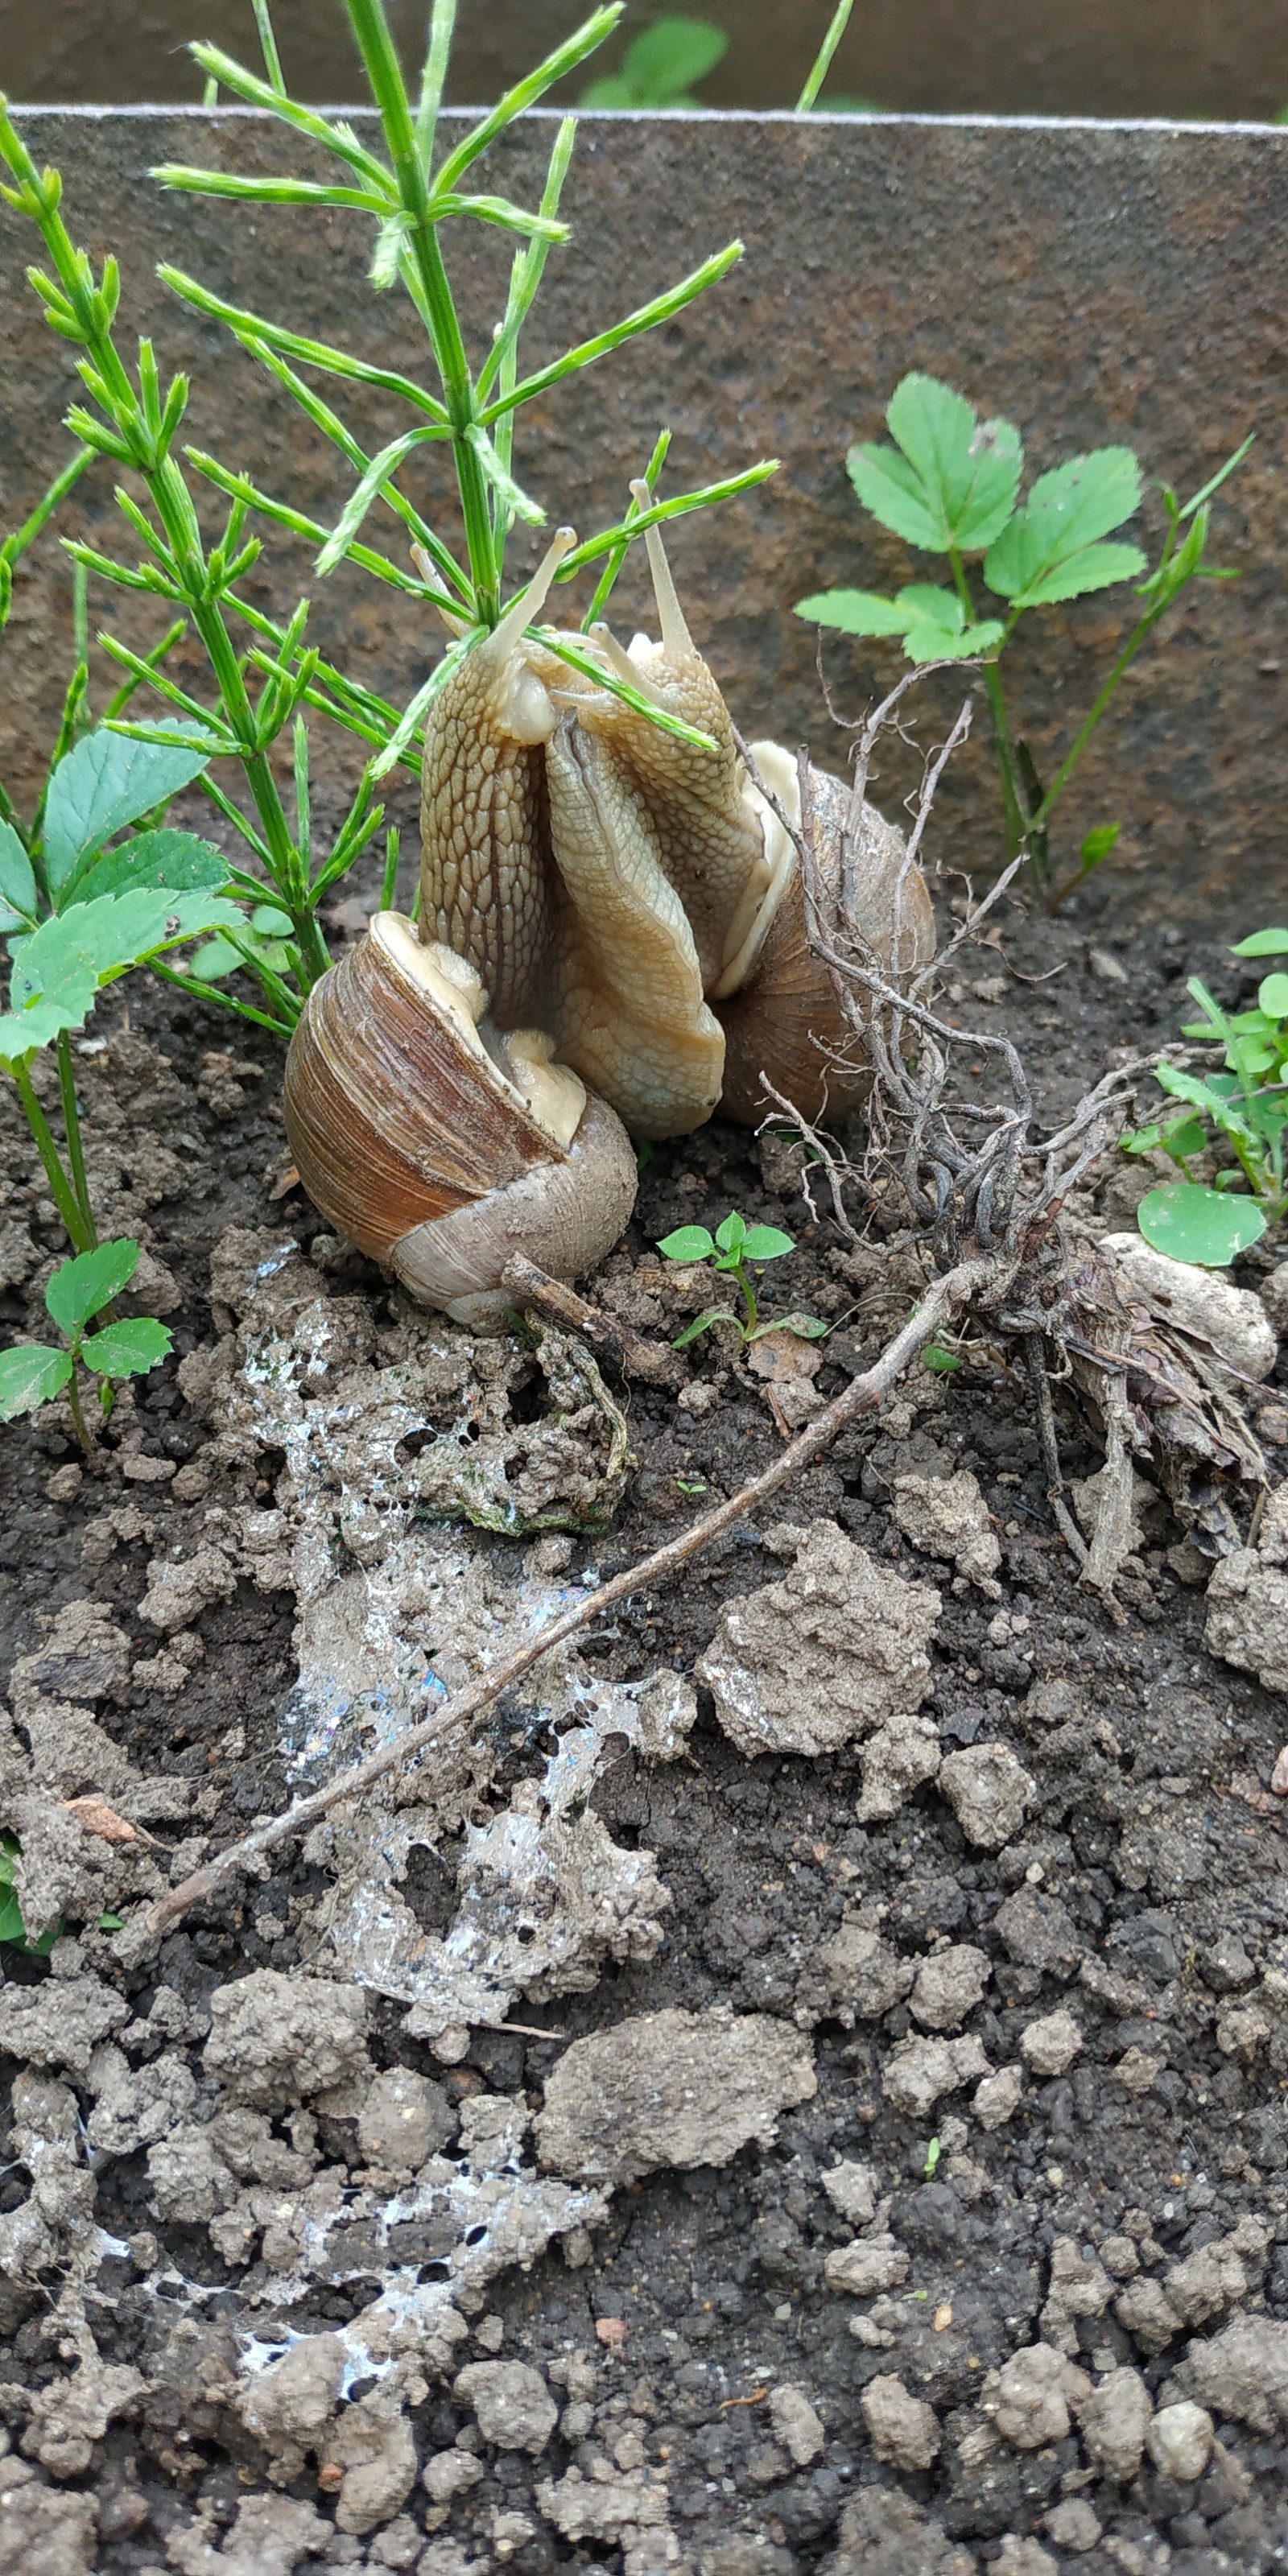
(731, 1233)
(1263, 943)
(1191, 1223)
(127, 1350)
(1272, 997)
(29, 1375)
(766, 1243)
(688, 1243)
(79, 1288)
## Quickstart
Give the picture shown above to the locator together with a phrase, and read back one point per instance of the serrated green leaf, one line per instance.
(1218, 1097)
(927, 603)
(1263, 943)
(30, 1374)
(927, 643)
(1050, 550)
(950, 480)
(64, 1003)
(179, 861)
(114, 931)
(17, 879)
(1272, 996)
(128, 1349)
(1182, 1136)
(688, 1243)
(853, 612)
(1203, 1227)
(766, 1243)
(105, 782)
(79, 1288)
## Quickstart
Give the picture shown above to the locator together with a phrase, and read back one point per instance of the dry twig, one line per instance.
(561, 1305)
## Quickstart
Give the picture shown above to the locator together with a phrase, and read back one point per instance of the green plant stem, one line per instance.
(748, 1299)
(193, 986)
(1016, 826)
(72, 1129)
(1099, 705)
(83, 1432)
(384, 72)
(823, 59)
(64, 1195)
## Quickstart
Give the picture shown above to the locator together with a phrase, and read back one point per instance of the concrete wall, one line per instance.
(1093, 283)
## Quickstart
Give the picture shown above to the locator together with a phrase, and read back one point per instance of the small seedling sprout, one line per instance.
(33, 1374)
(733, 1245)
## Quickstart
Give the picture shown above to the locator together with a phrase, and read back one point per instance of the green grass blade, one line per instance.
(179, 177)
(338, 138)
(252, 327)
(525, 94)
(822, 62)
(442, 27)
(646, 318)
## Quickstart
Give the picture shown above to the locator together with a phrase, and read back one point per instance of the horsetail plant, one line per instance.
(265, 674)
(412, 197)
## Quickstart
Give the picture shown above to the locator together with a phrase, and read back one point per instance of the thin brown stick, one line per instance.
(530, 1286)
(944, 1299)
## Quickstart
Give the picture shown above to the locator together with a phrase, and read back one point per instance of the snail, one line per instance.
(612, 936)
(438, 1145)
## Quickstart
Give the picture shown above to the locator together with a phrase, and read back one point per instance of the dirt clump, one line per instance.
(830, 1652)
(669, 2088)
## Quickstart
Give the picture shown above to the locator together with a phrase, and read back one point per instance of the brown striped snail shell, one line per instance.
(777, 1005)
(439, 1146)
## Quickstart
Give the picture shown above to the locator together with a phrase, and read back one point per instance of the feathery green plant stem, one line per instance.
(384, 72)
(139, 438)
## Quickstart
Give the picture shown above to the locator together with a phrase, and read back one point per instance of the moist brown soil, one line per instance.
(1143, 1832)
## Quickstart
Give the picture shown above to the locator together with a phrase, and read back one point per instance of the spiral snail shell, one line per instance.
(438, 1146)
(612, 936)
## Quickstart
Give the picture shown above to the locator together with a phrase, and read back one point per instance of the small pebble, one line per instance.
(1073, 2525)
(1180, 2441)
(64, 1484)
